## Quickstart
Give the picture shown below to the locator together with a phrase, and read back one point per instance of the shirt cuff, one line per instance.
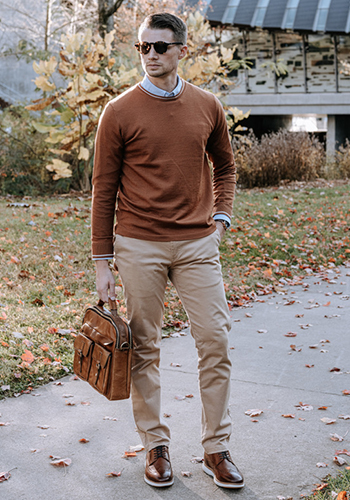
(224, 217)
(102, 257)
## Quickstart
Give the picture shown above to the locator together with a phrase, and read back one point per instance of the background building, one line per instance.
(296, 49)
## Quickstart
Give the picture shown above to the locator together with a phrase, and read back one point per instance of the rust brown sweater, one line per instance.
(151, 156)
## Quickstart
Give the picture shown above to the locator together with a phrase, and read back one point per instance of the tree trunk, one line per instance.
(48, 23)
(85, 184)
(106, 9)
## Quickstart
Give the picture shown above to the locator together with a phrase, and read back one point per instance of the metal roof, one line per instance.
(332, 16)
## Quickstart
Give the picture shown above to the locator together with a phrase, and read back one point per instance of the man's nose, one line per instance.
(152, 53)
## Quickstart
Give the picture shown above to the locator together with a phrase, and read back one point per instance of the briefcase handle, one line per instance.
(113, 308)
(112, 304)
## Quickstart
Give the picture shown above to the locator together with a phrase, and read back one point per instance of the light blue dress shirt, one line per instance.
(152, 89)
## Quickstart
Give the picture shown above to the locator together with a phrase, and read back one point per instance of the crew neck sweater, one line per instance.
(151, 168)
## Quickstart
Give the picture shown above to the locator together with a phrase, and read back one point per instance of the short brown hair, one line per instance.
(164, 20)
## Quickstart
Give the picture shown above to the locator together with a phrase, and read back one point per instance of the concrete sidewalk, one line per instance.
(277, 455)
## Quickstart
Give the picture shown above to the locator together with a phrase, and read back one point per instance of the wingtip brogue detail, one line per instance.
(158, 471)
(221, 467)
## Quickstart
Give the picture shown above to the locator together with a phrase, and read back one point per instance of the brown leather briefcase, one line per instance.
(103, 351)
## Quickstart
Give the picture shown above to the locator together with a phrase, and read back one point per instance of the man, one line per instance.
(151, 155)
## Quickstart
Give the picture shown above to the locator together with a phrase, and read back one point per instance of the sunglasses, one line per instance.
(159, 47)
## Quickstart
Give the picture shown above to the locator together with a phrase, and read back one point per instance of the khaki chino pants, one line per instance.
(194, 268)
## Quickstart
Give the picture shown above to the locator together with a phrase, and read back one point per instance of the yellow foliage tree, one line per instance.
(91, 78)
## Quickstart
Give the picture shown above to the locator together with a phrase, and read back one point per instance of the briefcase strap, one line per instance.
(113, 308)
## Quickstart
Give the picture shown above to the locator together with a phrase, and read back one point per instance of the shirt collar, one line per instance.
(153, 89)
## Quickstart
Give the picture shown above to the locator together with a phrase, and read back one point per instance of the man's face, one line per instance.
(161, 65)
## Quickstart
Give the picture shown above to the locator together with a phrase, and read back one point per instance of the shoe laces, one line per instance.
(224, 455)
(160, 452)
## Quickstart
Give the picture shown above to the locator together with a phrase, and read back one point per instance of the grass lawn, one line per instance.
(47, 276)
(333, 488)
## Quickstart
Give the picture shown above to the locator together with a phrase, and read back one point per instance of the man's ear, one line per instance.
(183, 51)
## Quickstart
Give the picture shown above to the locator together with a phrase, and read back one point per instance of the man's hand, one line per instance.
(105, 284)
(220, 228)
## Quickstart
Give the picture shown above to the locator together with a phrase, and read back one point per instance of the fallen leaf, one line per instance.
(327, 304)
(342, 452)
(262, 331)
(114, 474)
(61, 462)
(4, 476)
(3, 424)
(136, 448)
(290, 334)
(180, 398)
(305, 407)
(38, 302)
(175, 364)
(314, 346)
(305, 327)
(288, 415)
(129, 454)
(43, 426)
(336, 437)
(309, 366)
(189, 396)
(110, 418)
(335, 369)
(322, 407)
(253, 413)
(328, 421)
(320, 487)
(186, 473)
(342, 495)
(197, 460)
(295, 348)
(166, 415)
(344, 417)
(27, 356)
(339, 461)
(346, 392)
(85, 403)
(84, 440)
(69, 403)
(321, 464)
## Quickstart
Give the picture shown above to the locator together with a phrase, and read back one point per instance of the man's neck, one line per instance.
(168, 84)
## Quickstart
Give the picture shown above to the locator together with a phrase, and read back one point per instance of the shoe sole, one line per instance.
(219, 483)
(158, 485)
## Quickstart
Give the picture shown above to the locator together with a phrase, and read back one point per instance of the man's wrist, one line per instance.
(224, 223)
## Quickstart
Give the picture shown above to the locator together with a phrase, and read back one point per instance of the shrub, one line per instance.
(23, 153)
(338, 166)
(278, 156)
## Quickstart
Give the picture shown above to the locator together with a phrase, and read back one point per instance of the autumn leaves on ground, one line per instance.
(47, 277)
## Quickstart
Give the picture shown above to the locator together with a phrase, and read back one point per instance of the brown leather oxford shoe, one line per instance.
(158, 470)
(223, 470)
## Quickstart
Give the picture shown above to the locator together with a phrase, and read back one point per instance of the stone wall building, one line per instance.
(308, 39)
